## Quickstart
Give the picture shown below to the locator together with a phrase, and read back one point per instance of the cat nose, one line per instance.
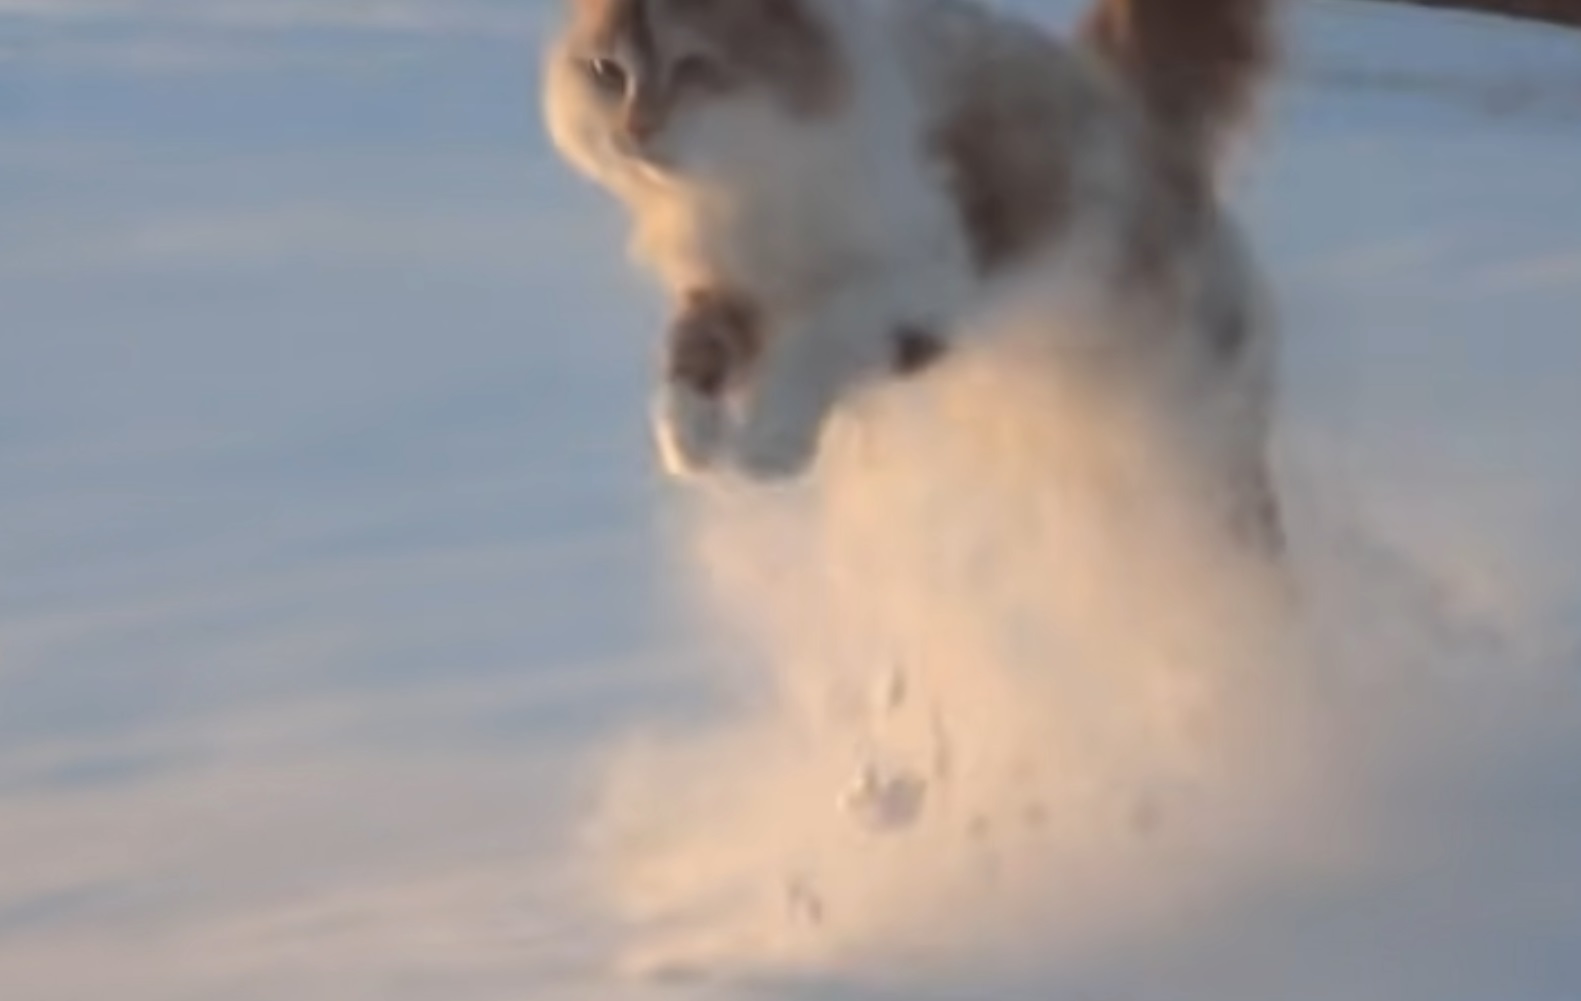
(641, 126)
(644, 115)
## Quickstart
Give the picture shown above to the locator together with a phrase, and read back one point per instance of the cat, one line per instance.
(826, 188)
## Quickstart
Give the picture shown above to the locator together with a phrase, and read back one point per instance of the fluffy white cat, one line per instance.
(828, 187)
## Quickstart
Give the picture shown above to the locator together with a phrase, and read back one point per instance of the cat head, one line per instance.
(626, 79)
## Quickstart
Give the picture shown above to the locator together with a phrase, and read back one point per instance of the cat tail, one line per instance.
(1197, 66)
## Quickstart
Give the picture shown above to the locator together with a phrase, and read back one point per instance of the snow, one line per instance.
(335, 563)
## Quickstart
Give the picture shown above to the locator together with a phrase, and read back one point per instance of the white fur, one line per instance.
(835, 226)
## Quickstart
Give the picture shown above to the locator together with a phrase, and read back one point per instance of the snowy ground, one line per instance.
(330, 540)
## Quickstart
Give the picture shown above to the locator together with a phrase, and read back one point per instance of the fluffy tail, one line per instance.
(1196, 64)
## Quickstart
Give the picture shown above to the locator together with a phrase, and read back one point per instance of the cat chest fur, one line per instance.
(792, 210)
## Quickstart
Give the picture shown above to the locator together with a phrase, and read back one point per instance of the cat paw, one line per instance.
(690, 430)
(713, 341)
(774, 450)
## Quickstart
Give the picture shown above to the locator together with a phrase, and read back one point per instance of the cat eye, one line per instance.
(608, 74)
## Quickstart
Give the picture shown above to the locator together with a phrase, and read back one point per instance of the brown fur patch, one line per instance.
(1195, 63)
(781, 43)
(1001, 143)
(916, 350)
(714, 339)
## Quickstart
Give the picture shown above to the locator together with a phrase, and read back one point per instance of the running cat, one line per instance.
(825, 187)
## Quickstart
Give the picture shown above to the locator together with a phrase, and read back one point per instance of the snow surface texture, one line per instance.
(313, 619)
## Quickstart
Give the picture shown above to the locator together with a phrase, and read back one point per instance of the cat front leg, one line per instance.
(690, 431)
(713, 342)
(896, 318)
(736, 393)
(813, 362)
(800, 379)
